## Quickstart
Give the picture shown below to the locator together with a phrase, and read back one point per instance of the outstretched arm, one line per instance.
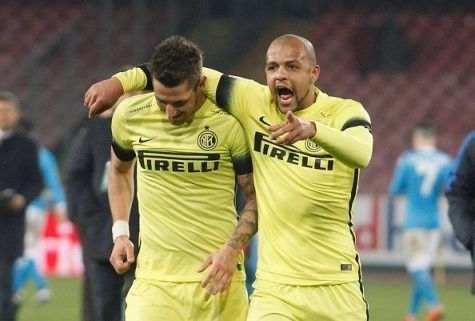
(226, 91)
(223, 261)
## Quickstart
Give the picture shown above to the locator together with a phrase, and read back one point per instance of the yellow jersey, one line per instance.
(305, 191)
(185, 184)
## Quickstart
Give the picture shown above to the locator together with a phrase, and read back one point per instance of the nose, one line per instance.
(171, 111)
(281, 73)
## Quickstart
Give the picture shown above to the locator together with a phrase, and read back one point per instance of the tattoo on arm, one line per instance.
(247, 225)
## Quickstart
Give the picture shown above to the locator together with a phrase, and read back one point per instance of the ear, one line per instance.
(202, 82)
(315, 73)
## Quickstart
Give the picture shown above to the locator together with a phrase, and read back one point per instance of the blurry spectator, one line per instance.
(86, 186)
(52, 198)
(420, 175)
(461, 197)
(20, 182)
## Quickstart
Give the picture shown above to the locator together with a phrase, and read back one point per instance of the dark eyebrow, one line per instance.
(174, 103)
(294, 61)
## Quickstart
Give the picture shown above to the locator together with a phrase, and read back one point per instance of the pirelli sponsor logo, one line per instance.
(291, 155)
(179, 162)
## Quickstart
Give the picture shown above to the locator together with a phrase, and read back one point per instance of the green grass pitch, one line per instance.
(387, 300)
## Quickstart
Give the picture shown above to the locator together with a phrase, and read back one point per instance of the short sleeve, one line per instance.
(134, 79)
(121, 143)
(230, 93)
(241, 158)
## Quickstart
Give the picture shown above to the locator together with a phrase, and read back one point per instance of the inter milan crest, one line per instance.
(311, 146)
(207, 139)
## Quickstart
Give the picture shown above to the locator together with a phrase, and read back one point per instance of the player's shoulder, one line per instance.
(408, 155)
(135, 105)
(219, 114)
(248, 87)
(340, 105)
(443, 156)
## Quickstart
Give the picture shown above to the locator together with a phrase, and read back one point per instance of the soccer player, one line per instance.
(461, 196)
(188, 152)
(420, 175)
(306, 170)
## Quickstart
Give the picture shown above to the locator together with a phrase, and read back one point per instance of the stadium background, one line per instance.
(406, 61)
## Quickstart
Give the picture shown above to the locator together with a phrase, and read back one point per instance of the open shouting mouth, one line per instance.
(285, 95)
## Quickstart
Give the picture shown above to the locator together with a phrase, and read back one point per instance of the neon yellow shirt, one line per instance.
(305, 192)
(185, 184)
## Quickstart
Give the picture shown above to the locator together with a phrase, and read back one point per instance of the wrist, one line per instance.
(313, 130)
(120, 228)
(234, 248)
(121, 81)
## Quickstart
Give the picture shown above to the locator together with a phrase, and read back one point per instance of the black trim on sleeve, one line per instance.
(123, 154)
(144, 68)
(223, 92)
(355, 122)
(242, 164)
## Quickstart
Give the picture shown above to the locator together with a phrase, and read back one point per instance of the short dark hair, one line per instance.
(175, 60)
(425, 130)
(10, 97)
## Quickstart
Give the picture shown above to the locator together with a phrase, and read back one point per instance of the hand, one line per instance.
(223, 264)
(292, 129)
(17, 202)
(102, 95)
(122, 255)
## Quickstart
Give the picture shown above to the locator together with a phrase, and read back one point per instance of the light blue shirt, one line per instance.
(420, 175)
(54, 193)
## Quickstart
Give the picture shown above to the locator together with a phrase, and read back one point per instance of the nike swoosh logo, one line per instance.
(141, 140)
(261, 119)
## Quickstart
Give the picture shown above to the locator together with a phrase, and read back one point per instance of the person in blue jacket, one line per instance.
(420, 176)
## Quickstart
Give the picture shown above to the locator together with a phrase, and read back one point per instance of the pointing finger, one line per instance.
(284, 129)
(275, 127)
(290, 116)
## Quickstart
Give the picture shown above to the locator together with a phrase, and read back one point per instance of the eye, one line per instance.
(160, 103)
(179, 104)
(293, 67)
(271, 67)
